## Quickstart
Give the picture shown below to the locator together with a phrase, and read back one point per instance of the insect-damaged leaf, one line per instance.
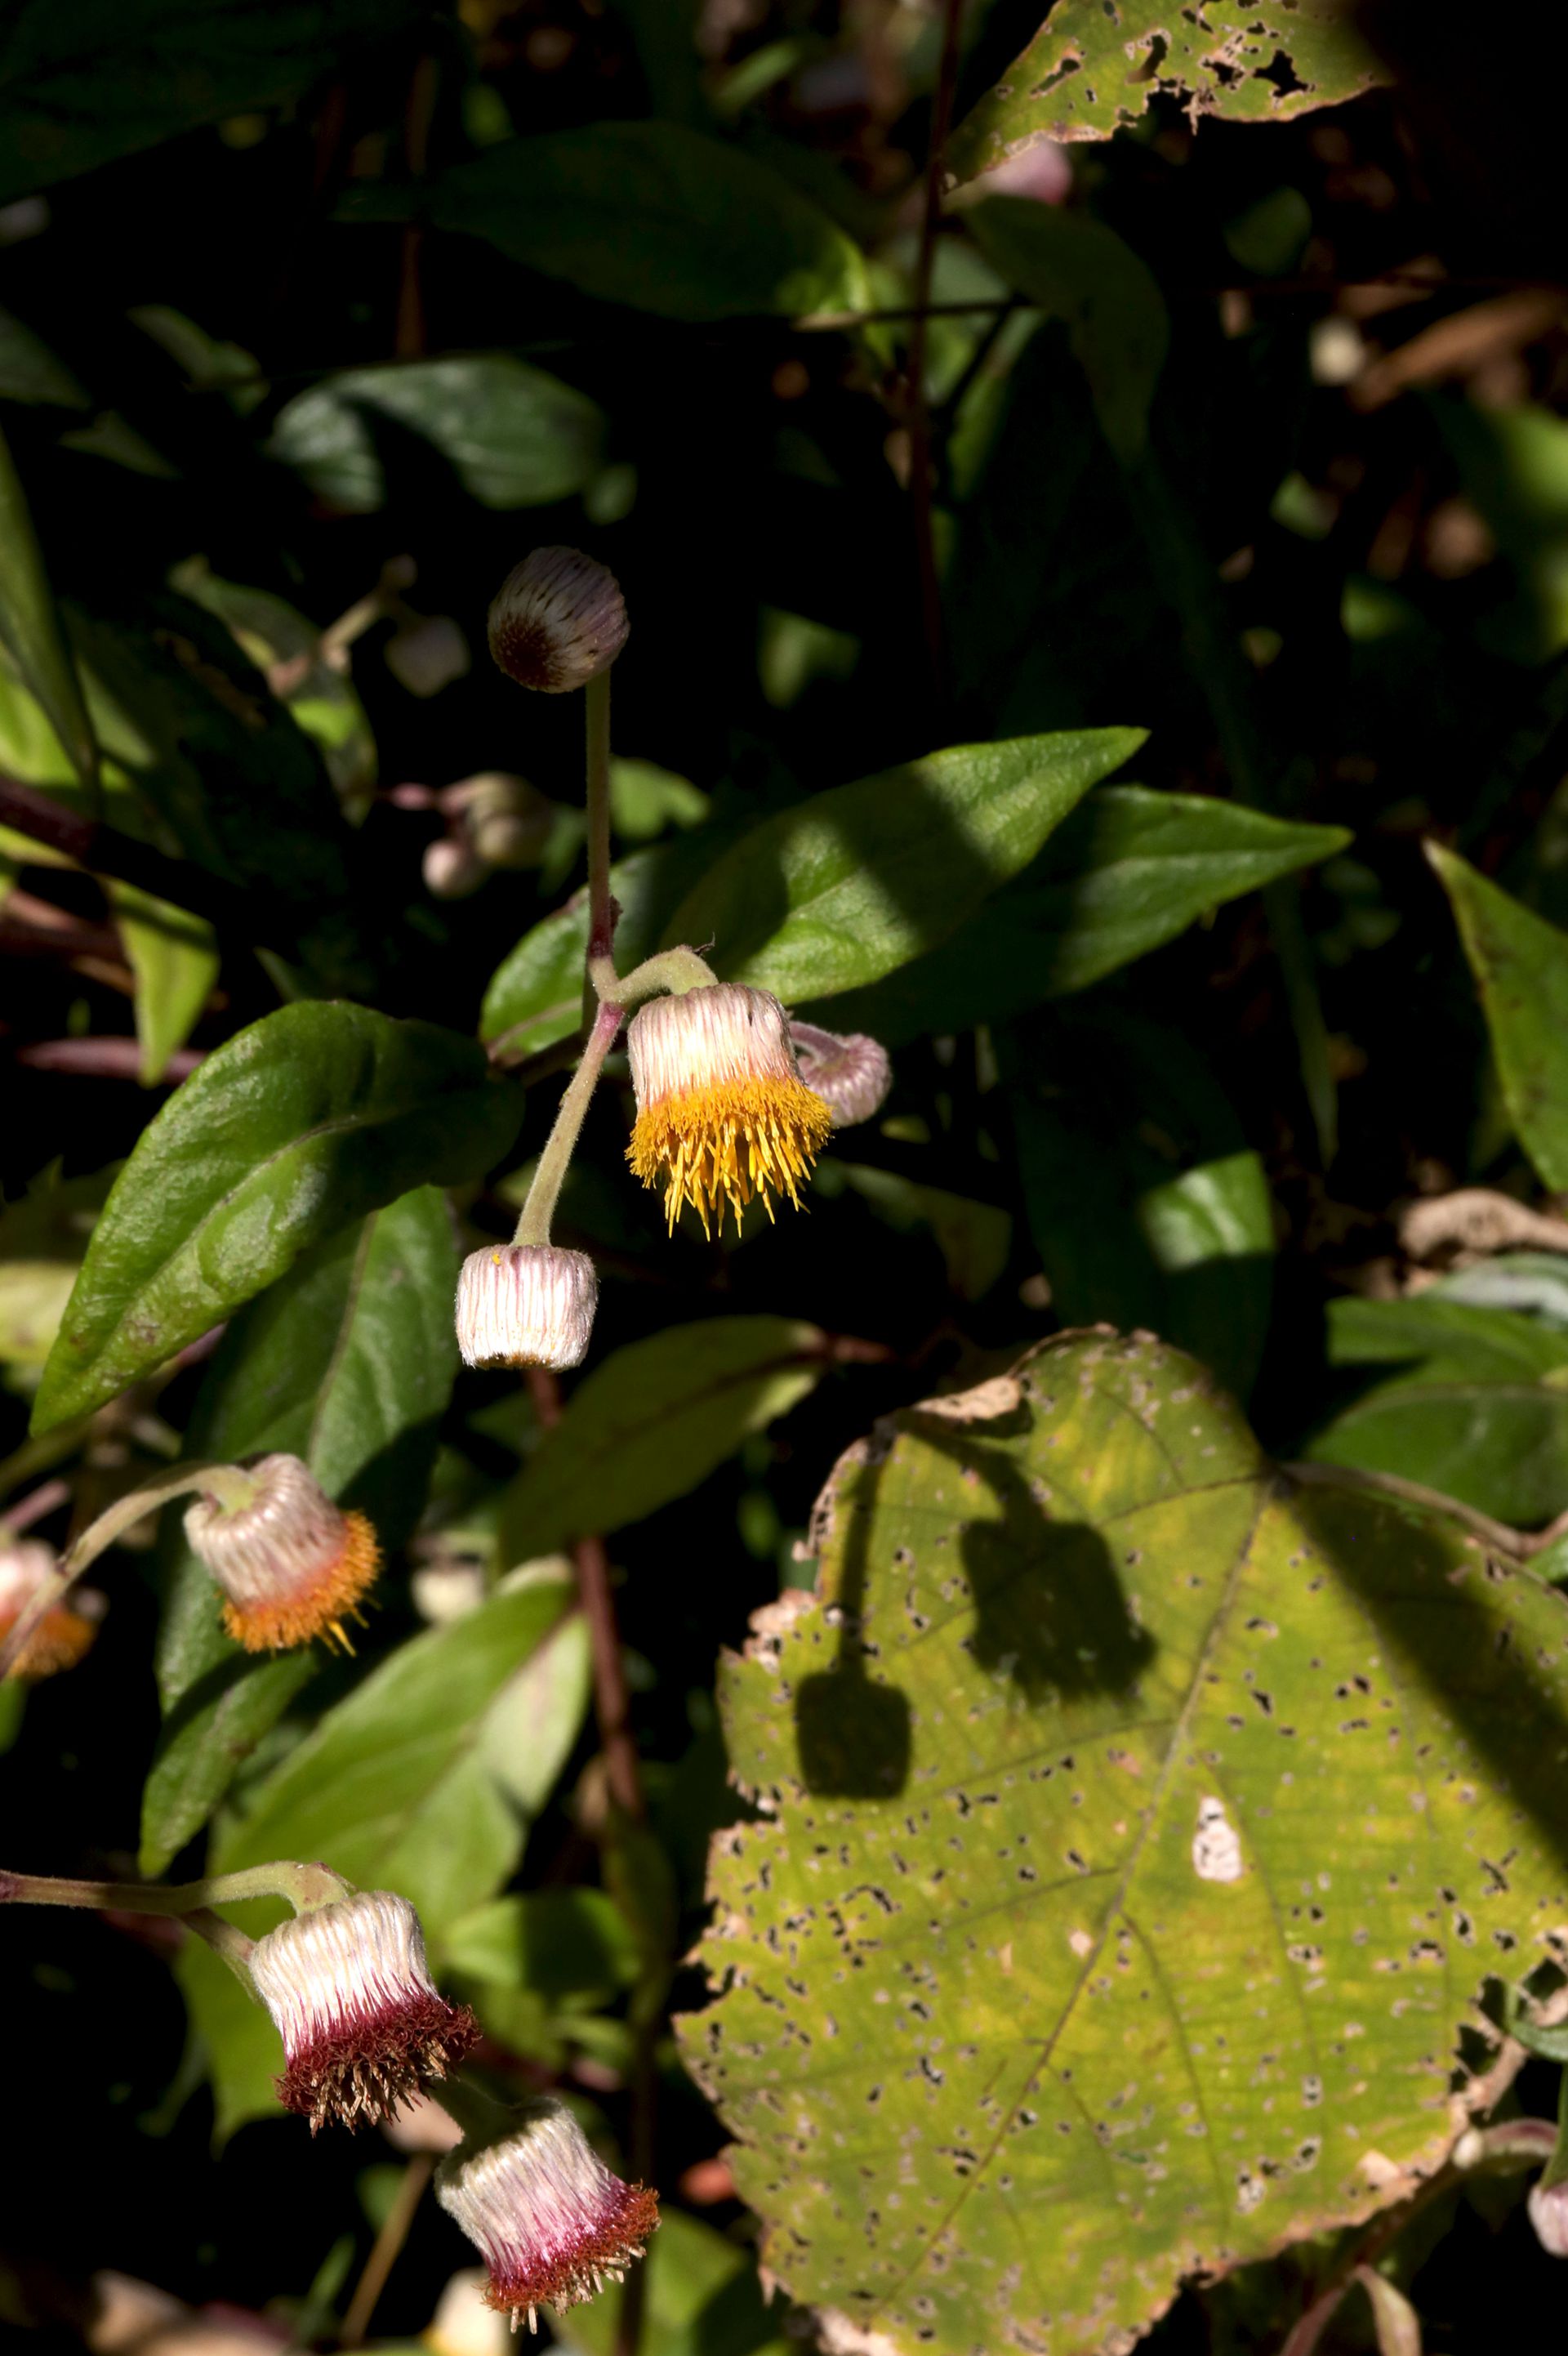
(1134, 1843)
(1095, 65)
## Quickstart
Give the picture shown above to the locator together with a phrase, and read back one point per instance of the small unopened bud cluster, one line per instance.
(557, 620)
(290, 1564)
(351, 1997)
(551, 2222)
(67, 1629)
(494, 821)
(526, 1305)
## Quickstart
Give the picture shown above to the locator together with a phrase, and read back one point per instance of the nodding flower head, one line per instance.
(556, 621)
(722, 1112)
(291, 1565)
(67, 1629)
(850, 1072)
(526, 1305)
(351, 1997)
(551, 2220)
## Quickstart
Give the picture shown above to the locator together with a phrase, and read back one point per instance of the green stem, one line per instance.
(675, 970)
(226, 1481)
(534, 1226)
(600, 907)
(475, 2110)
(305, 1886)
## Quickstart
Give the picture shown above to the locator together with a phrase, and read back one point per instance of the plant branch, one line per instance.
(388, 2248)
(1519, 1545)
(538, 1211)
(104, 851)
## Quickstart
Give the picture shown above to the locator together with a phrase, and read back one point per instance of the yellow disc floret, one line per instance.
(318, 1606)
(723, 1115)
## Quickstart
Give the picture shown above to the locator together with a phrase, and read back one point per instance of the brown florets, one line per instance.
(362, 2023)
(68, 1628)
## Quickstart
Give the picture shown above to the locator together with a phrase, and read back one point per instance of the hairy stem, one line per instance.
(305, 1886)
(538, 1211)
(675, 970)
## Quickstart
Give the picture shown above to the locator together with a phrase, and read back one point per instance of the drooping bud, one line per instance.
(452, 868)
(66, 1631)
(1548, 2208)
(526, 1305)
(557, 620)
(291, 1565)
(551, 2222)
(850, 1071)
(351, 1997)
(508, 821)
(722, 1112)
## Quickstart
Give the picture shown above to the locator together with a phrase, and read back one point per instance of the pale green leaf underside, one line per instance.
(1127, 1881)
(1095, 65)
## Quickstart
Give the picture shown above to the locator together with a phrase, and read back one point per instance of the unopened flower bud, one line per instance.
(850, 1071)
(1548, 2207)
(551, 2222)
(722, 1112)
(508, 821)
(66, 1631)
(557, 620)
(526, 1305)
(351, 1997)
(427, 655)
(452, 868)
(291, 1565)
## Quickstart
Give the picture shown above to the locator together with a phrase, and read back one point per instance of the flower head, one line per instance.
(549, 2218)
(292, 1563)
(850, 1071)
(557, 620)
(67, 1629)
(351, 1997)
(722, 1112)
(526, 1305)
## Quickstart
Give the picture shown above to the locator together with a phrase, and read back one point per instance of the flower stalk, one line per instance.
(538, 1211)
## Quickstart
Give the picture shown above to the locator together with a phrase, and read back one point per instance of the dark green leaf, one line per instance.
(703, 2299)
(562, 1942)
(1090, 71)
(29, 626)
(1083, 273)
(652, 1422)
(403, 1786)
(348, 1362)
(513, 436)
(855, 881)
(658, 217)
(1477, 1405)
(1109, 1785)
(174, 957)
(1159, 1220)
(81, 85)
(291, 1130)
(1520, 965)
(1126, 872)
(29, 371)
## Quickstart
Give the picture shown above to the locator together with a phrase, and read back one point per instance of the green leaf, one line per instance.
(397, 1788)
(348, 1362)
(1159, 1216)
(42, 1240)
(655, 1419)
(1476, 1405)
(513, 436)
(1090, 71)
(703, 2299)
(561, 1942)
(1126, 872)
(1520, 965)
(853, 882)
(1080, 271)
(293, 1129)
(174, 957)
(29, 371)
(1122, 1886)
(654, 216)
(973, 1238)
(107, 78)
(30, 626)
